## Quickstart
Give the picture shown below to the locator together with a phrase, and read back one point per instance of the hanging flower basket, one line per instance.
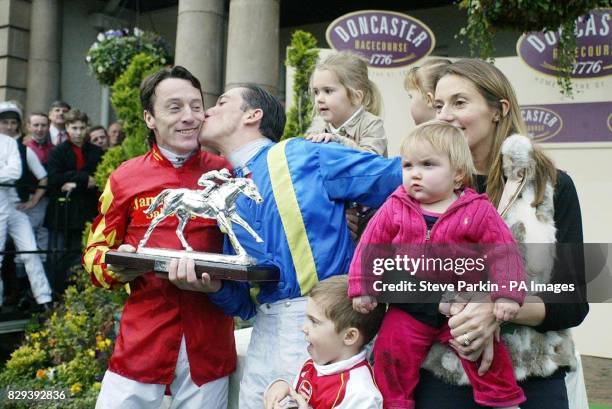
(485, 17)
(113, 50)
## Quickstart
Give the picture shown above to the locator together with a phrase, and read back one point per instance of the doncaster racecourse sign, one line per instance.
(593, 47)
(386, 39)
(569, 122)
(542, 123)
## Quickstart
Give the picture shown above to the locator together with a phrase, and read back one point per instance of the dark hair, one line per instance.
(272, 123)
(332, 295)
(150, 83)
(59, 104)
(37, 114)
(96, 128)
(75, 115)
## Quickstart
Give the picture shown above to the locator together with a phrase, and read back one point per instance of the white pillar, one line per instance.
(105, 106)
(44, 61)
(199, 43)
(252, 44)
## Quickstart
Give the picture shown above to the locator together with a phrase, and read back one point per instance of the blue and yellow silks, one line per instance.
(302, 219)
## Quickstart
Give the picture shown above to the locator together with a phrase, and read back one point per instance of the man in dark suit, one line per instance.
(72, 186)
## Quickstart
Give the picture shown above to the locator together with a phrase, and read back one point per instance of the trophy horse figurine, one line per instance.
(216, 201)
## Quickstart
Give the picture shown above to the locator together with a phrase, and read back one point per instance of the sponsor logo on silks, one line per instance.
(593, 47)
(542, 123)
(385, 39)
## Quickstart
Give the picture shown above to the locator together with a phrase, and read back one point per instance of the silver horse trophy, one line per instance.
(217, 200)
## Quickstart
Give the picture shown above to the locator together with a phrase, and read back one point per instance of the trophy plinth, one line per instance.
(215, 201)
(218, 266)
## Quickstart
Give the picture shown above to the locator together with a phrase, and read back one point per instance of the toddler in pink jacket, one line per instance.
(434, 207)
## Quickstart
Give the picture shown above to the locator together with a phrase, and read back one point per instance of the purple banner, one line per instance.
(574, 122)
(386, 39)
(593, 47)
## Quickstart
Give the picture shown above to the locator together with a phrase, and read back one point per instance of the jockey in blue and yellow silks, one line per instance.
(305, 188)
(302, 220)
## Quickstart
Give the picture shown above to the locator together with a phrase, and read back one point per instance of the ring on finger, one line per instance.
(466, 340)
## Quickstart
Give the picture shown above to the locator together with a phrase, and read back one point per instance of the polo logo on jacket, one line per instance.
(305, 388)
(324, 391)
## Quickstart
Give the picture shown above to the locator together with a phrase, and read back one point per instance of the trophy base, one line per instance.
(218, 266)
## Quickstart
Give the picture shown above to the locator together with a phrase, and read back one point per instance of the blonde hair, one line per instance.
(494, 87)
(332, 295)
(445, 139)
(352, 73)
(423, 77)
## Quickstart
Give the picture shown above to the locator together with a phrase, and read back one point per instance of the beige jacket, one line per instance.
(364, 131)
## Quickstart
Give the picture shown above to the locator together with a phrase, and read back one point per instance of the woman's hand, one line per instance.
(486, 357)
(453, 303)
(473, 329)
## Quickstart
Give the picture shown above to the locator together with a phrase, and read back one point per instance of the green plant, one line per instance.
(70, 350)
(302, 56)
(485, 17)
(110, 55)
(126, 101)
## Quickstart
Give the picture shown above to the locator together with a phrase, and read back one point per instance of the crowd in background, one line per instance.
(48, 193)
(470, 140)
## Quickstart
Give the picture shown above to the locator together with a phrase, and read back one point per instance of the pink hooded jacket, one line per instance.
(470, 219)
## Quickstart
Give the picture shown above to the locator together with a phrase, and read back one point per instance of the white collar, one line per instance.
(175, 159)
(55, 130)
(336, 130)
(241, 156)
(340, 366)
